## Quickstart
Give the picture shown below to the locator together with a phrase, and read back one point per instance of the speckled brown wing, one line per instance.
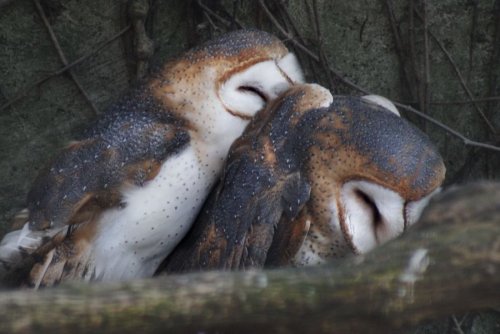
(206, 97)
(285, 176)
(255, 208)
(238, 224)
(124, 147)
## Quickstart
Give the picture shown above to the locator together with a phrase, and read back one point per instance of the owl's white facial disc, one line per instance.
(248, 91)
(373, 214)
(383, 102)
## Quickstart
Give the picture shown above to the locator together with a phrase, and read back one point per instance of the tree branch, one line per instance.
(459, 76)
(62, 70)
(290, 37)
(466, 141)
(446, 264)
(62, 57)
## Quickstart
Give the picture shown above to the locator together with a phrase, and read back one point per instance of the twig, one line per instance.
(472, 42)
(217, 16)
(24, 92)
(289, 20)
(466, 141)
(321, 50)
(457, 325)
(427, 76)
(478, 100)
(211, 22)
(362, 28)
(143, 46)
(494, 65)
(234, 21)
(400, 49)
(303, 48)
(460, 77)
(57, 46)
(413, 53)
(235, 12)
(274, 21)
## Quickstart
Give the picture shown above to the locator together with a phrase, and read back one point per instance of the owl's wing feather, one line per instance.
(241, 220)
(121, 149)
(125, 147)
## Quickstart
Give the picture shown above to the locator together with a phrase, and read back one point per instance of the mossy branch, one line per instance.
(448, 263)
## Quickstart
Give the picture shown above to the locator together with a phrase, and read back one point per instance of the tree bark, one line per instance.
(448, 263)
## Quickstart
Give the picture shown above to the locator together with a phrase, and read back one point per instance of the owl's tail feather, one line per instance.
(43, 270)
(65, 257)
(18, 248)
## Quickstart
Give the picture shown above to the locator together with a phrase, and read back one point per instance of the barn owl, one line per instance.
(116, 201)
(314, 177)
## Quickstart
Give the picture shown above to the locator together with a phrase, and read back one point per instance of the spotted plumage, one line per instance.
(314, 177)
(117, 200)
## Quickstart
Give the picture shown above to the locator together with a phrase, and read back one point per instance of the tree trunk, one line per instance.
(448, 263)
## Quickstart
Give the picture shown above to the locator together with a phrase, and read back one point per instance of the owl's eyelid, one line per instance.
(366, 199)
(254, 90)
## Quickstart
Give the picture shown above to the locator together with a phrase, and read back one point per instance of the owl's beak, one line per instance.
(372, 215)
(413, 210)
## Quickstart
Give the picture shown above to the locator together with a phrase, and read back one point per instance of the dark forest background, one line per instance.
(62, 62)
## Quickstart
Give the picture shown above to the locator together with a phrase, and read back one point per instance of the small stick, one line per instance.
(478, 100)
(472, 42)
(303, 48)
(427, 75)
(460, 77)
(24, 92)
(321, 50)
(413, 53)
(400, 48)
(466, 141)
(53, 37)
(457, 325)
(217, 16)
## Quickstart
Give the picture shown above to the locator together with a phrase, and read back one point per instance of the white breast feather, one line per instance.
(134, 240)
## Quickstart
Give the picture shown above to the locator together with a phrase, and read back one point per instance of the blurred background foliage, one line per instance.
(62, 62)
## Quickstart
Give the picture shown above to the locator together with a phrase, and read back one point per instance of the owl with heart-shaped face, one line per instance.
(314, 177)
(114, 203)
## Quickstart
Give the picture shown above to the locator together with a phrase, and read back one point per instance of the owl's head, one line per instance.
(313, 177)
(371, 172)
(222, 83)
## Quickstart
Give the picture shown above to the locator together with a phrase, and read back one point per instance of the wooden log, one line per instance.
(448, 263)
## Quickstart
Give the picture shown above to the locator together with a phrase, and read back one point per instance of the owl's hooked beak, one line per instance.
(414, 209)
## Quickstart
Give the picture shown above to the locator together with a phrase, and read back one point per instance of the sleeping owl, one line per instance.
(314, 177)
(114, 203)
